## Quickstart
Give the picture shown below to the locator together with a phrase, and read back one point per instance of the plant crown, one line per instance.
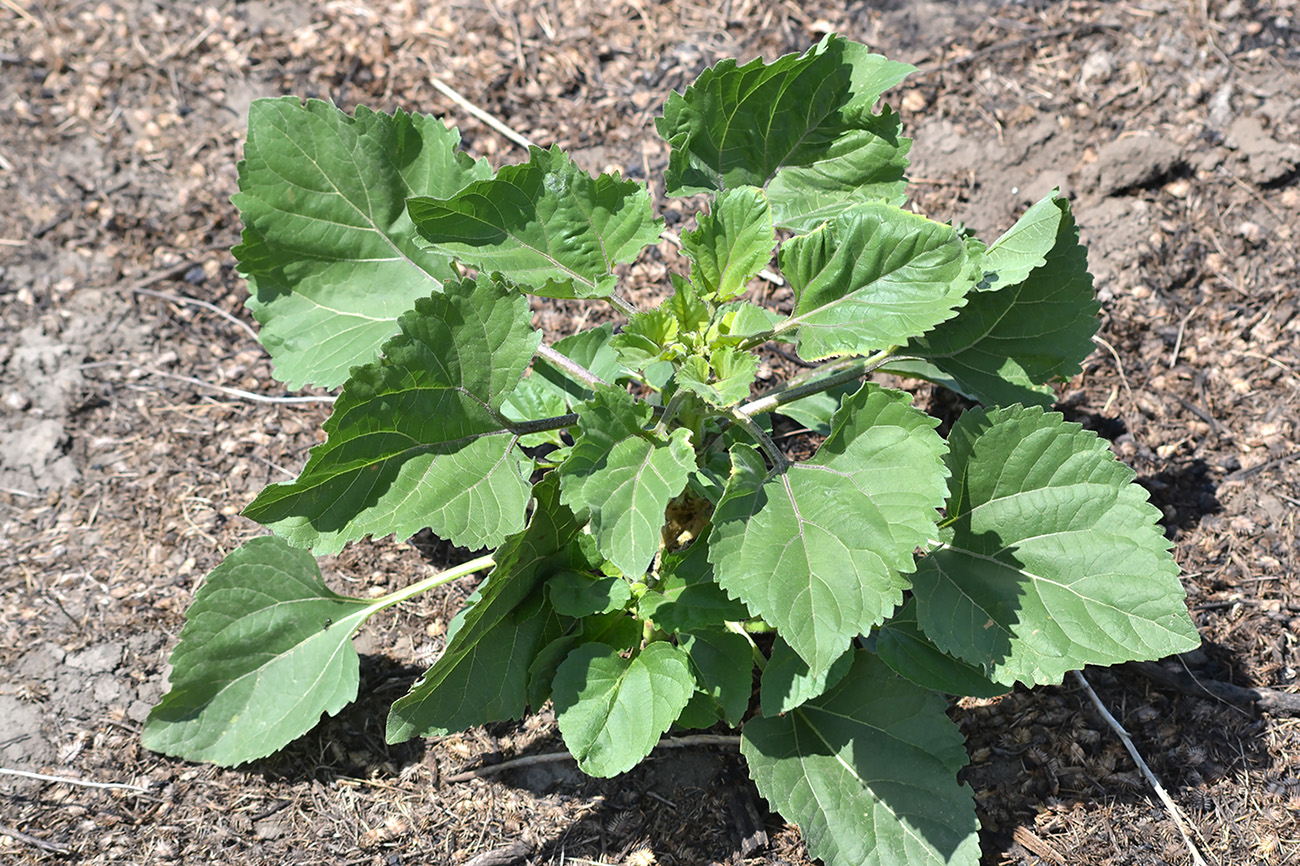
(649, 533)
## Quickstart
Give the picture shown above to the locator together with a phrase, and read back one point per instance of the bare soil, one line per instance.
(1175, 126)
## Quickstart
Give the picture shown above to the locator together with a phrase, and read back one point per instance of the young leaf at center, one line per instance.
(625, 476)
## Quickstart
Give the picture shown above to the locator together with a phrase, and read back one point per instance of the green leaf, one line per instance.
(1050, 558)
(1009, 341)
(725, 382)
(701, 712)
(868, 772)
(1025, 246)
(612, 710)
(732, 244)
(617, 630)
(624, 476)
(331, 256)
(902, 645)
(687, 598)
(821, 550)
(724, 668)
(787, 683)
(578, 594)
(801, 126)
(741, 320)
(482, 675)
(688, 308)
(546, 225)
(417, 439)
(646, 337)
(872, 279)
(266, 648)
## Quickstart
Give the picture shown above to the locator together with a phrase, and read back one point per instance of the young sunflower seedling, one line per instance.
(645, 524)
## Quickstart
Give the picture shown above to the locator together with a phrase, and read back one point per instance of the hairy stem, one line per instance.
(401, 595)
(778, 460)
(570, 366)
(768, 402)
(627, 307)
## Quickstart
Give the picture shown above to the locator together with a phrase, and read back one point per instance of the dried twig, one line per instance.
(33, 841)
(1119, 365)
(22, 13)
(452, 94)
(1170, 806)
(552, 757)
(233, 392)
(67, 781)
(182, 299)
(1266, 700)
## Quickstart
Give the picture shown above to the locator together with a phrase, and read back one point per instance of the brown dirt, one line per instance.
(1173, 125)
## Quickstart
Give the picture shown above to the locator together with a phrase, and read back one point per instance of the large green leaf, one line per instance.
(787, 683)
(902, 645)
(821, 550)
(624, 476)
(724, 668)
(266, 648)
(868, 772)
(1010, 340)
(482, 675)
(331, 257)
(801, 127)
(612, 710)
(872, 279)
(732, 244)
(417, 439)
(546, 225)
(1050, 558)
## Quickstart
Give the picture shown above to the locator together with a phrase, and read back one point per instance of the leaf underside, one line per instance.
(331, 257)
(1050, 558)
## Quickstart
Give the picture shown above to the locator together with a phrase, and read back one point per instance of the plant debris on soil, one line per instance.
(127, 445)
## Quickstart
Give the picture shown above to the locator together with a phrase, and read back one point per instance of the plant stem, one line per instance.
(627, 307)
(570, 366)
(743, 631)
(768, 402)
(778, 460)
(541, 425)
(670, 412)
(427, 584)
